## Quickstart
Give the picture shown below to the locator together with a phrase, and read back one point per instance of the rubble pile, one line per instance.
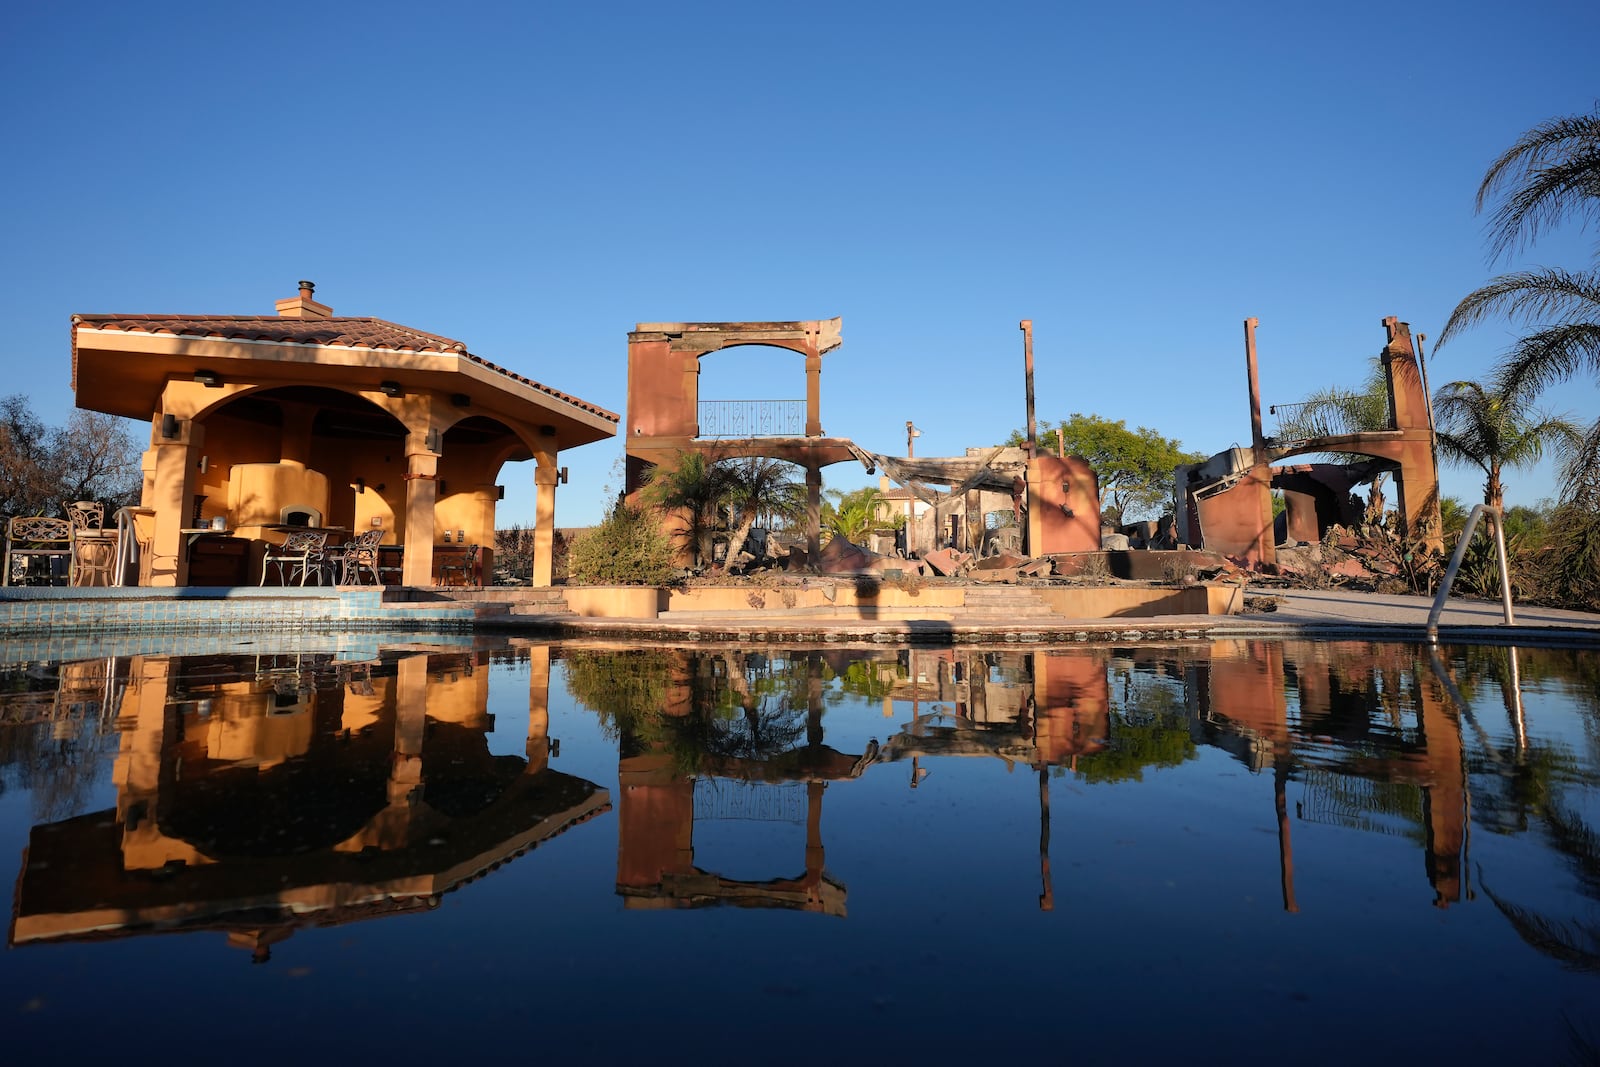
(1366, 558)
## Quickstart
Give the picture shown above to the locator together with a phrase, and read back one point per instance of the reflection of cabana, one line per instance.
(305, 419)
(259, 803)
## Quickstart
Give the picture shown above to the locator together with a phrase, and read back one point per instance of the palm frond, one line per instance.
(1580, 464)
(1547, 296)
(1548, 356)
(1574, 944)
(1551, 173)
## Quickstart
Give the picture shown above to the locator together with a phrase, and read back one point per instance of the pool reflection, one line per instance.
(257, 795)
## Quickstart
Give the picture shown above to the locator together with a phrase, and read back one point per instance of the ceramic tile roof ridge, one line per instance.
(276, 327)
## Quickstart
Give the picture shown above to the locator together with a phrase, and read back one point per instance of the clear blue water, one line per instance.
(1240, 851)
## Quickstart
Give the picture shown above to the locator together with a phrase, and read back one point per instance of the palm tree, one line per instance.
(1494, 428)
(695, 486)
(853, 515)
(1551, 174)
(757, 488)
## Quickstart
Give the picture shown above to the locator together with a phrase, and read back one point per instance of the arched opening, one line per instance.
(745, 393)
(301, 456)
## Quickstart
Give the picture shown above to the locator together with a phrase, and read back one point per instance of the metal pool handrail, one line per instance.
(1478, 511)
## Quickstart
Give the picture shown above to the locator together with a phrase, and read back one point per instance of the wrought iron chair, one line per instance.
(360, 554)
(94, 548)
(303, 552)
(31, 537)
(466, 565)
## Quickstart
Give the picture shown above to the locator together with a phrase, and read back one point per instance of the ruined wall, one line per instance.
(1063, 505)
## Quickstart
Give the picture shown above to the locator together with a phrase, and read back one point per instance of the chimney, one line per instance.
(302, 306)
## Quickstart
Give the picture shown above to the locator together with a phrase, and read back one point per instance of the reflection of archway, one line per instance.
(672, 760)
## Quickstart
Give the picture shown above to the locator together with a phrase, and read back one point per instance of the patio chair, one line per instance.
(465, 564)
(302, 553)
(94, 548)
(361, 553)
(86, 514)
(31, 537)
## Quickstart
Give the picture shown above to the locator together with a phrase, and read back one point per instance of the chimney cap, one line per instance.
(308, 287)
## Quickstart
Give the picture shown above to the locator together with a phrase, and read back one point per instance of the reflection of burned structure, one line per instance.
(1043, 709)
(1369, 730)
(256, 798)
(1038, 709)
(748, 767)
(1225, 504)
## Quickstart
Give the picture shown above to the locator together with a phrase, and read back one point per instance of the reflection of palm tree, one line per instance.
(1574, 943)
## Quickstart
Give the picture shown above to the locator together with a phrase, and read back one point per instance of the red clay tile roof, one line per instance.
(333, 332)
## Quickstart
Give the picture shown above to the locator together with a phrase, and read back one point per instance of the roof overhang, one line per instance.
(122, 372)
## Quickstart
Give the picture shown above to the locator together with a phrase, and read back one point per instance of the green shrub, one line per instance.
(628, 548)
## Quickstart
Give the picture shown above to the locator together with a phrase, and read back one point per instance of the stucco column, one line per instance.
(538, 708)
(410, 723)
(691, 390)
(813, 396)
(813, 513)
(422, 493)
(170, 493)
(544, 517)
(142, 730)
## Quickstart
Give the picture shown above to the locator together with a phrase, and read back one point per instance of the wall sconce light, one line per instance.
(377, 521)
(361, 485)
(499, 492)
(169, 427)
(391, 389)
(433, 441)
(561, 476)
(443, 488)
(208, 378)
(204, 464)
(461, 537)
(461, 400)
(447, 537)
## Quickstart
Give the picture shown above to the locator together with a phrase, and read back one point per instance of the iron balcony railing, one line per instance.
(752, 418)
(1327, 418)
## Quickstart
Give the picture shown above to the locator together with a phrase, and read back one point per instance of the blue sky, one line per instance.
(535, 178)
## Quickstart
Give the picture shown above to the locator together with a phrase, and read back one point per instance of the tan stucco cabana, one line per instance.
(305, 418)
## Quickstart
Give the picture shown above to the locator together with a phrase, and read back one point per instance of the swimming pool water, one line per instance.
(1220, 851)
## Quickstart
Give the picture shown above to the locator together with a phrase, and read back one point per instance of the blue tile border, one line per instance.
(29, 612)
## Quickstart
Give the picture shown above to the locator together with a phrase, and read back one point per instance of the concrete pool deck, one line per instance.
(1005, 616)
(1297, 613)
